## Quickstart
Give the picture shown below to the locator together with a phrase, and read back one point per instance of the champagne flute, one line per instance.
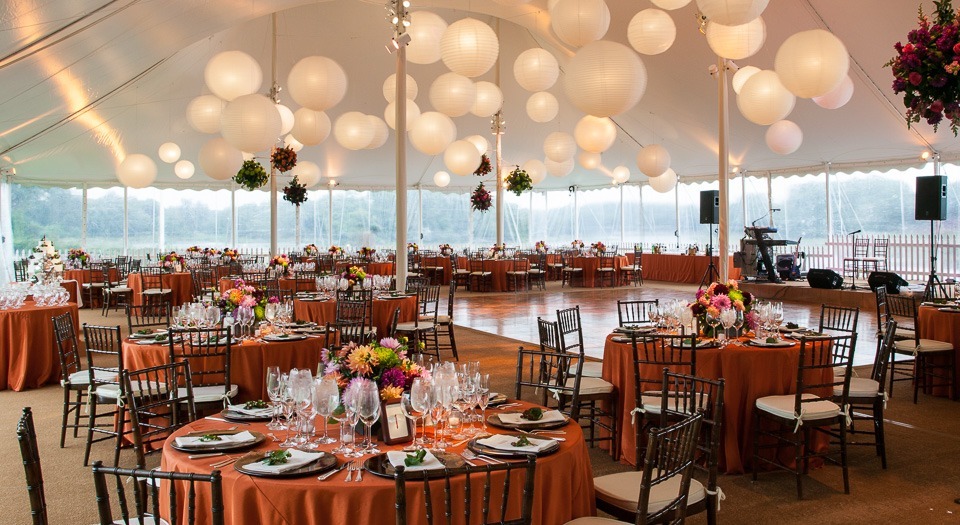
(274, 383)
(325, 401)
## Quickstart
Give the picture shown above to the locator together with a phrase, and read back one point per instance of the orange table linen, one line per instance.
(381, 268)
(29, 357)
(323, 312)
(81, 275)
(590, 266)
(941, 326)
(181, 284)
(677, 268)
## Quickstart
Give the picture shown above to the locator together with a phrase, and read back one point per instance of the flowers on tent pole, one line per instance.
(251, 175)
(485, 167)
(480, 199)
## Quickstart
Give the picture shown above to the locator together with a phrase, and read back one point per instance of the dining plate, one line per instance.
(379, 465)
(797, 328)
(480, 448)
(320, 465)
(147, 334)
(496, 398)
(494, 420)
(259, 438)
(702, 343)
(621, 339)
(764, 344)
(154, 341)
(635, 329)
(232, 415)
(949, 309)
(274, 338)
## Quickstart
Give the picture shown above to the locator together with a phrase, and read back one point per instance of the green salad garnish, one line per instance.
(532, 414)
(210, 437)
(416, 458)
(301, 322)
(793, 325)
(160, 337)
(144, 332)
(771, 340)
(250, 405)
(522, 442)
(277, 457)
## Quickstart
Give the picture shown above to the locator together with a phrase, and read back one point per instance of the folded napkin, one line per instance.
(505, 442)
(549, 416)
(256, 412)
(430, 462)
(297, 459)
(225, 439)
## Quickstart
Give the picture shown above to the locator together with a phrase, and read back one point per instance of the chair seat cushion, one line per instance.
(591, 385)
(481, 274)
(443, 319)
(905, 333)
(157, 291)
(628, 268)
(147, 520)
(782, 406)
(462, 271)
(589, 369)
(926, 345)
(860, 387)
(119, 289)
(605, 269)
(82, 377)
(570, 269)
(623, 490)
(595, 520)
(208, 393)
(113, 391)
(519, 272)
(410, 326)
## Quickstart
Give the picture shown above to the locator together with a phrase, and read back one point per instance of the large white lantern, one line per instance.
(489, 99)
(559, 169)
(453, 94)
(137, 171)
(589, 160)
(316, 82)
(461, 158)
(763, 99)
(307, 173)
(665, 182)
(653, 160)
(737, 42)
(469, 47)
(559, 146)
(621, 174)
(183, 169)
(412, 111)
(812, 63)
(741, 76)
(731, 12)
(579, 22)
(250, 123)
(219, 160)
(425, 32)
(380, 132)
(310, 127)
(203, 113)
(232, 74)
(169, 152)
(512, 3)
(286, 119)
(651, 31)
(536, 169)
(390, 88)
(670, 5)
(542, 107)
(441, 179)
(432, 133)
(480, 142)
(595, 134)
(605, 78)
(784, 137)
(536, 69)
(290, 142)
(353, 130)
(838, 97)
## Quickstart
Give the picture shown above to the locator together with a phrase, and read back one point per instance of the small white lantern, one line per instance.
(183, 169)
(812, 63)
(137, 171)
(488, 101)
(653, 160)
(536, 169)
(559, 169)
(203, 113)
(605, 78)
(763, 99)
(353, 130)
(480, 142)
(441, 179)
(432, 133)
(219, 160)
(232, 74)
(559, 146)
(542, 107)
(665, 182)
(784, 137)
(290, 142)
(469, 47)
(307, 173)
(651, 31)
(579, 22)
(741, 76)
(390, 114)
(169, 152)
(390, 88)
(316, 82)
(589, 160)
(595, 134)
(732, 12)
(737, 42)
(536, 69)
(286, 119)
(453, 94)
(621, 174)
(425, 32)
(310, 127)
(670, 5)
(250, 123)
(461, 158)
(838, 97)
(380, 132)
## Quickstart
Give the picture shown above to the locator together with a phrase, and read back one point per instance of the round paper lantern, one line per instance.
(247, 156)
(219, 160)
(292, 143)
(137, 171)
(183, 169)
(838, 97)
(232, 74)
(559, 146)
(353, 130)
(425, 32)
(286, 119)
(812, 63)
(310, 127)
(307, 173)
(665, 182)
(489, 99)
(390, 114)
(559, 169)
(542, 107)
(731, 12)
(390, 88)
(536, 69)
(461, 158)
(763, 99)
(595, 134)
(469, 47)
(670, 5)
(621, 174)
(651, 31)
(441, 179)
(653, 160)
(203, 113)
(784, 137)
(250, 123)
(536, 169)
(605, 78)
(579, 22)
(169, 152)
(512, 3)
(316, 82)
(380, 132)
(453, 94)
(736, 42)
(741, 76)
(432, 133)
(480, 142)
(589, 160)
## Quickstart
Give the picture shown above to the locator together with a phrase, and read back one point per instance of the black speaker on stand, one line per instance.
(710, 214)
(931, 205)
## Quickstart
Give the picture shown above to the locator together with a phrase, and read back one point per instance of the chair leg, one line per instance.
(878, 432)
(76, 413)
(800, 465)
(66, 414)
(755, 464)
(843, 456)
(91, 420)
(919, 375)
(453, 342)
(118, 444)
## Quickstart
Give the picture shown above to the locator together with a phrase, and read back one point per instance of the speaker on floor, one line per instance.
(824, 278)
(931, 202)
(892, 281)
(710, 207)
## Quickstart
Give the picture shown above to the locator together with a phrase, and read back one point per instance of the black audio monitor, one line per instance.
(710, 207)
(823, 278)
(890, 280)
(931, 202)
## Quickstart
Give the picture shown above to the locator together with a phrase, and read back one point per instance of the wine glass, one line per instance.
(274, 382)
(245, 318)
(423, 396)
(212, 316)
(483, 398)
(714, 322)
(351, 405)
(727, 318)
(289, 404)
(270, 312)
(407, 406)
(739, 321)
(369, 409)
(326, 398)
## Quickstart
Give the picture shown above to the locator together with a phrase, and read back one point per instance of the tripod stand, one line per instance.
(710, 274)
(933, 281)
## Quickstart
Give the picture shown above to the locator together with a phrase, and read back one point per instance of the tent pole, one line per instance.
(273, 171)
(498, 131)
(126, 221)
(400, 117)
(826, 191)
(723, 171)
(233, 218)
(83, 217)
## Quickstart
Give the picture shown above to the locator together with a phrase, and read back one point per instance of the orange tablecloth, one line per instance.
(443, 261)
(322, 312)
(29, 357)
(563, 488)
(81, 275)
(381, 268)
(590, 265)
(677, 268)
(941, 326)
(181, 283)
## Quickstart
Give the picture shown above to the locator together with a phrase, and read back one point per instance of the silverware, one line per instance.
(223, 463)
(469, 454)
(211, 418)
(509, 405)
(324, 477)
(200, 456)
(350, 468)
(489, 459)
(359, 472)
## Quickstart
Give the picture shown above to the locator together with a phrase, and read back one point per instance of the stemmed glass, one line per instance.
(483, 397)
(212, 316)
(351, 406)
(739, 321)
(274, 384)
(245, 317)
(654, 314)
(411, 413)
(424, 398)
(270, 312)
(326, 398)
(369, 409)
(289, 404)
(714, 322)
(727, 318)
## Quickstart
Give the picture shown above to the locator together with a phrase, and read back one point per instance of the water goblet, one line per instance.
(274, 383)
(369, 409)
(410, 412)
(325, 401)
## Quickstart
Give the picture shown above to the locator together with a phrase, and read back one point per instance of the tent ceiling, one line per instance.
(137, 64)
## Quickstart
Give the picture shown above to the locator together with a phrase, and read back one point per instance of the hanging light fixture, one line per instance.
(489, 99)
(232, 74)
(595, 134)
(169, 152)
(838, 97)
(732, 12)
(536, 69)
(453, 94)
(559, 146)
(764, 100)
(559, 169)
(390, 88)
(250, 123)
(812, 63)
(183, 169)
(784, 137)
(219, 160)
(737, 42)
(432, 133)
(203, 113)
(542, 107)
(441, 179)
(353, 130)
(425, 31)
(579, 22)
(651, 32)
(390, 114)
(605, 78)
(469, 47)
(653, 160)
(317, 82)
(665, 182)
(137, 171)
(310, 127)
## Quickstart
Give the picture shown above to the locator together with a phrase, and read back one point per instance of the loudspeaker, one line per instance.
(892, 281)
(710, 207)
(931, 203)
(823, 278)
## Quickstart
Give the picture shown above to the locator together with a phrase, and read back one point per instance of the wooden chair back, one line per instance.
(208, 350)
(150, 314)
(570, 329)
(670, 454)
(30, 454)
(160, 401)
(68, 348)
(635, 312)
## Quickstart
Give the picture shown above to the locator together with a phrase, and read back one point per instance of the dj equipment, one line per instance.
(823, 278)
(710, 207)
(764, 243)
(892, 281)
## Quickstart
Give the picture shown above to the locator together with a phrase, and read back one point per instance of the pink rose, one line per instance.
(915, 78)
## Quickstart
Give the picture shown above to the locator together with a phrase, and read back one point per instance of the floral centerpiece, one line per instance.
(412, 247)
(334, 250)
(354, 276)
(281, 263)
(598, 247)
(229, 254)
(519, 181)
(311, 249)
(251, 175)
(194, 250)
(577, 244)
(719, 297)
(485, 166)
(294, 192)
(659, 248)
(366, 252)
(480, 199)
(243, 294)
(497, 250)
(693, 249)
(446, 249)
(384, 363)
(541, 247)
(78, 257)
(172, 262)
(211, 252)
(283, 159)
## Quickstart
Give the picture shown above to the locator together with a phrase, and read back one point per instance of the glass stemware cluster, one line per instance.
(769, 318)
(196, 315)
(45, 293)
(14, 294)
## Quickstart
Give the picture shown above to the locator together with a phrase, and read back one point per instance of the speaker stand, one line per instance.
(710, 274)
(933, 280)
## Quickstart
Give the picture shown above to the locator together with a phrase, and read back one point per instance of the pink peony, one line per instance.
(721, 302)
(915, 78)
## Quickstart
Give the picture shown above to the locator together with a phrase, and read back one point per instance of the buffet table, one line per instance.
(180, 284)
(325, 311)
(29, 357)
(941, 326)
(676, 268)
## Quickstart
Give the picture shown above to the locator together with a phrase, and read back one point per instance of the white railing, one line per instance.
(907, 255)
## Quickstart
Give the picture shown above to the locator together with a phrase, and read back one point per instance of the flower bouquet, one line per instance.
(193, 250)
(485, 167)
(229, 255)
(598, 248)
(354, 276)
(311, 249)
(251, 175)
(280, 263)
(172, 262)
(243, 294)
(211, 252)
(366, 252)
(335, 250)
(412, 247)
(78, 257)
(283, 159)
(446, 249)
(519, 181)
(384, 363)
(577, 244)
(541, 247)
(497, 250)
(480, 199)
(719, 297)
(294, 192)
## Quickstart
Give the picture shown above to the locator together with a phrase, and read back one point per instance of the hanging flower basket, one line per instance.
(926, 69)
(283, 159)
(480, 199)
(251, 176)
(519, 181)
(485, 166)
(294, 192)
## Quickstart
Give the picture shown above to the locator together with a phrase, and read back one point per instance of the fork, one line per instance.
(223, 463)
(350, 469)
(359, 468)
(469, 454)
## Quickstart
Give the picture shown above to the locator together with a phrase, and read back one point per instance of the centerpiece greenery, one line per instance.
(719, 297)
(78, 257)
(251, 175)
(385, 363)
(311, 249)
(243, 294)
(519, 181)
(172, 262)
(354, 276)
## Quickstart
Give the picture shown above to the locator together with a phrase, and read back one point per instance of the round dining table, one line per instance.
(322, 311)
(29, 357)
(591, 264)
(179, 283)
(942, 324)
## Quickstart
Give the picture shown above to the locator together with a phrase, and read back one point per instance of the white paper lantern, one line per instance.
(589, 160)
(542, 107)
(579, 22)
(489, 99)
(290, 142)
(425, 32)
(784, 137)
(536, 69)
(512, 3)
(763, 99)
(559, 146)
(741, 76)
(461, 158)
(838, 97)
(536, 169)
(219, 160)
(665, 182)
(380, 132)
(307, 173)
(559, 169)
(203, 113)
(353, 130)
(169, 152)
(595, 134)
(621, 174)
(441, 179)
(250, 123)
(432, 133)
(736, 42)
(605, 78)
(480, 142)
(232, 74)
(651, 31)
(247, 156)
(469, 47)
(137, 171)
(670, 5)
(731, 12)
(316, 82)
(310, 127)
(653, 160)
(812, 63)
(390, 88)
(183, 169)
(453, 94)
(390, 114)
(286, 119)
